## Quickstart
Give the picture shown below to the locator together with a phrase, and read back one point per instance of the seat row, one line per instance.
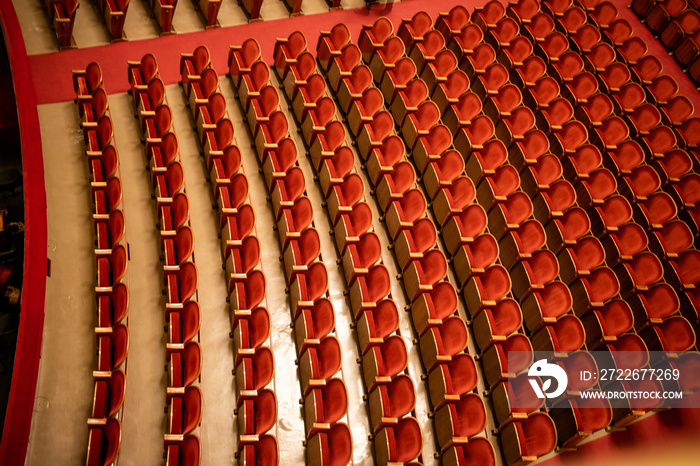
(319, 353)
(442, 335)
(444, 175)
(111, 254)
(180, 278)
(384, 356)
(246, 285)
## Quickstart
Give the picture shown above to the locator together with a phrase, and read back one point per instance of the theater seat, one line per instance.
(377, 324)
(578, 419)
(256, 416)
(433, 307)
(249, 292)
(287, 50)
(396, 78)
(595, 290)
(486, 289)
(498, 366)
(392, 401)
(254, 372)
(324, 406)
(344, 195)
(363, 110)
(359, 256)
(526, 440)
(177, 249)
(241, 59)
(287, 190)
(187, 452)
(383, 362)
(520, 244)
(441, 342)
(399, 443)
(108, 398)
(325, 142)
(184, 413)
(605, 325)
(342, 65)
(314, 323)
(330, 44)
(372, 37)
(460, 421)
(545, 306)
(250, 330)
(651, 307)
(104, 443)
(319, 363)
(367, 290)
(413, 30)
(308, 286)
(509, 214)
(351, 225)
(495, 324)
(474, 257)
(579, 259)
(330, 448)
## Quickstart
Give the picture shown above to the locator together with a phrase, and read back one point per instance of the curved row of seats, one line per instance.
(180, 278)
(384, 359)
(442, 334)
(473, 249)
(319, 354)
(250, 320)
(111, 254)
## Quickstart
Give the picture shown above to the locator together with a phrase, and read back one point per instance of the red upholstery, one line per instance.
(595, 290)
(331, 42)
(545, 306)
(399, 443)
(532, 437)
(433, 306)
(241, 59)
(463, 419)
(330, 448)
(104, 442)
(414, 29)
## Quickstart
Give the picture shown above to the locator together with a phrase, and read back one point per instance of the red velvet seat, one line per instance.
(112, 307)
(450, 380)
(585, 38)
(93, 107)
(421, 52)
(463, 227)
(372, 37)
(632, 50)
(443, 172)
(452, 200)
(98, 137)
(529, 149)
(541, 176)
(622, 245)
(324, 406)
(326, 142)
(499, 365)
(578, 418)
(364, 109)
(389, 54)
(662, 13)
(567, 229)
(432, 307)
(256, 415)
(412, 30)
(580, 89)
(342, 65)
(614, 77)
(437, 70)
(541, 26)
(610, 215)
(383, 362)
(452, 22)
(314, 323)
(184, 413)
(330, 448)
(487, 16)
(496, 188)
(278, 162)
(104, 442)
(683, 271)
(317, 119)
(579, 259)
(612, 132)
(514, 127)
(532, 69)
(677, 110)
(656, 211)
(344, 195)
(541, 94)
(241, 59)
(305, 96)
(514, 55)
(491, 81)
(249, 292)
(330, 43)
(112, 350)
(486, 289)
(552, 46)
(299, 73)
(63, 19)
(441, 342)
(401, 214)
(545, 306)
(87, 81)
(640, 184)
(573, 19)
(382, 159)
(254, 372)
(606, 324)
(399, 443)
(464, 41)
(475, 136)
(509, 214)
(360, 256)
(625, 158)
(534, 273)
(201, 87)
(452, 91)
(392, 401)
(495, 324)
(108, 397)
(502, 34)
(376, 324)
(300, 252)
(287, 50)
(408, 99)
(421, 274)
(369, 288)
(594, 290)
(185, 452)
(351, 225)
(396, 78)
(461, 420)
(177, 249)
(485, 160)
(581, 164)
(639, 274)
(520, 243)
(503, 103)
(646, 70)
(210, 114)
(559, 112)
(528, 439)
(474, 257)
(671, 240)
(651, 307)
(684, 25)
(395, 184)
(474, 64)
(629, 97)
(600, 56)
(319, 364)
